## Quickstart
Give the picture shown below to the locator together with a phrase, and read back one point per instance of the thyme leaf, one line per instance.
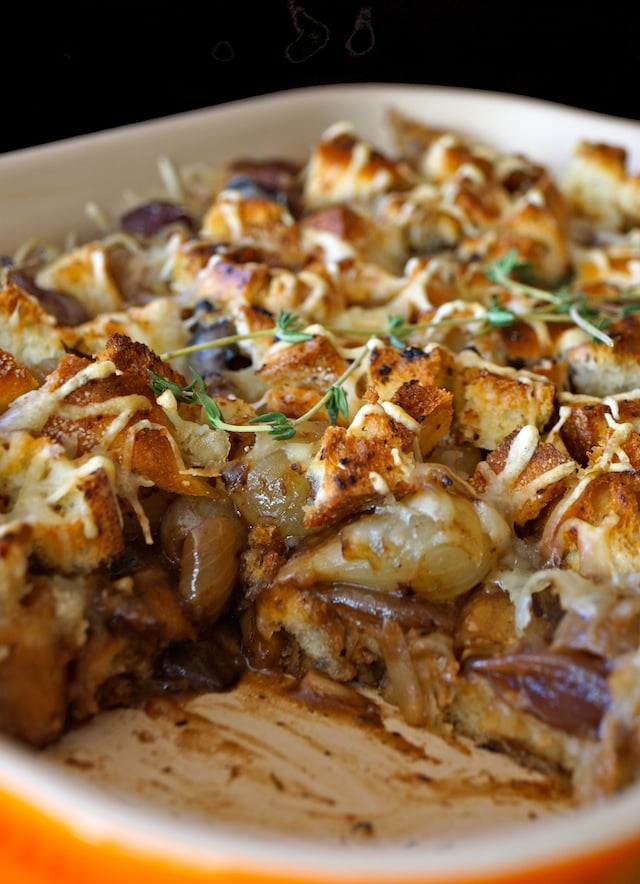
(337, 403)
(500, 317)
(397, 330)
(289, 328)
(504, 267)
(278, 424)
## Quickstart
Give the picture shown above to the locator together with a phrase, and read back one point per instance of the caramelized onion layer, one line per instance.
(435, 542)
(567, 691)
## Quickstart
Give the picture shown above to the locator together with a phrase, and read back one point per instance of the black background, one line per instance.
(69, 69)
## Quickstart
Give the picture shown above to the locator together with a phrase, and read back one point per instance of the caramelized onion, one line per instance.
(209, 565)
(66, 308)
(567, 691)
(408, 610)
(186, 513)
(151, 218)
(406, 690)
(273, 489)
(211, 663)
(458, 543)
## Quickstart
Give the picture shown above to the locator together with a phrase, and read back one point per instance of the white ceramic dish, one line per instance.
(259, 786)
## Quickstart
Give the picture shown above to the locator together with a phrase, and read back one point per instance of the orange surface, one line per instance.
(35, 849)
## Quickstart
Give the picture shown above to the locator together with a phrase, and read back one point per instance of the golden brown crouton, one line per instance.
(361, 464)
(541, 215)
(26, 329)
(84, 273)
(491, 401)
(157, 324)
(69, 504)
(523, 475)
(597, 185)
(343, 167)
(389, 368)
(187, 257)
(601, 271)
(598, 370)
(225, 281)
(449, 153)
(431, 407)
(588, 426)
(595, 528)
(481, 203)
(429, 226)
(523, 345)
(411, 136)
(107, 404)
(360, 235)
(237, 220)
(294, 402)
(15, 379)
(314, 364)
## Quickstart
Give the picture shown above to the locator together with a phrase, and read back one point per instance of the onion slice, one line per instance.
(209, 565)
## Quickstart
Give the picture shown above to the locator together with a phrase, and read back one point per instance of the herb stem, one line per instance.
(563, 306)
(589, 327)
(217, 342)
(331, 392)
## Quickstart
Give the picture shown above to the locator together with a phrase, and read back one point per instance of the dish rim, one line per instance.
(455, 92)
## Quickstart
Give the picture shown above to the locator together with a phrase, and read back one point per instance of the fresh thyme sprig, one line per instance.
(275, 423)
(561, 305)
(509, 272)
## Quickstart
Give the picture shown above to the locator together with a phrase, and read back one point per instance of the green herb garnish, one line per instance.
(273, 422)
(509, 271)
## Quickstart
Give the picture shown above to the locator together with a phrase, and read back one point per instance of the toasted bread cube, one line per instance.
(352, 233)
(541, 215)
(598, 370)
(27, 331)
(157, 324)
(491, 401)
(593, 182)
(357, 466)
(595, 530)
(107, 404)
(15, 380)
(587, 427)
(431, 407)
(69, 504)
(389, 368)
(314, 364)
(343, 167)
(523, 475)
(225, 281)
(412, 136)
(84, 273)
(236, 220)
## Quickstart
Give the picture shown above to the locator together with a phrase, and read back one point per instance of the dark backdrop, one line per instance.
(68, 69)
